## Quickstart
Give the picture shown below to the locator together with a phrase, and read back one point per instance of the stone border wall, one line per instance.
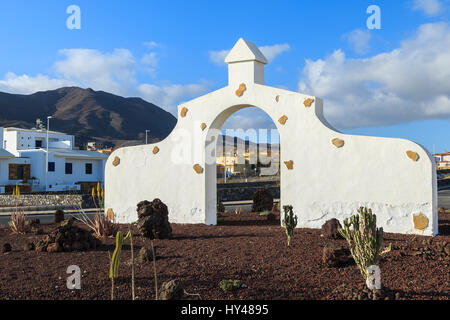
(43, 199)
(245, 191)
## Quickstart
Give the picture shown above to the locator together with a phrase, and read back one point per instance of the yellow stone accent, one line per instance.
(203, 126)
(116, 161)
(338, 143)
(110, 214)
(155, 150)
(198, 168)
(412, 155)
(289, 164)
(283, 120)
(308, 102)
(420, 221)
(183, 112)
(240, 91)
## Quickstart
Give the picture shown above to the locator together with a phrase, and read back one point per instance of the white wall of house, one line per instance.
(58, 177)
(16, 140)
(22, 144)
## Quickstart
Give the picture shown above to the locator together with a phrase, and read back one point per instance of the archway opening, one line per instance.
(247, 169)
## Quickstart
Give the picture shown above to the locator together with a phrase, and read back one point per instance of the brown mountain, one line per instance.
(89, 115)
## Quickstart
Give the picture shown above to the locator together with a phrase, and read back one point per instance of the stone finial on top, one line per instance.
(245, 63)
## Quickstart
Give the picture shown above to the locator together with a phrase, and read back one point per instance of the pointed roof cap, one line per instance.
(245, 51)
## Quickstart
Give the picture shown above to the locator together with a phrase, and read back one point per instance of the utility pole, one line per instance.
(146, 132)
(46, 155)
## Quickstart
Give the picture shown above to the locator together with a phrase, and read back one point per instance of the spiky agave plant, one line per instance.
(364, 239)
(289, 222)
(18, 223)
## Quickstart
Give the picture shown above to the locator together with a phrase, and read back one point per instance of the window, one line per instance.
(51, 166)
(68, 168)
(38, 144)
(88, 168)
(19, 172)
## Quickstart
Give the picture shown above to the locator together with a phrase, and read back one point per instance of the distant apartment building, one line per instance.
(247, 161)
(58, 166)
(442, 160)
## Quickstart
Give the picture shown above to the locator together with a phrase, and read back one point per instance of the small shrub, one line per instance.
(103, 226)
(289, 222)
(229, 285)
(364, 239)
(18, 224)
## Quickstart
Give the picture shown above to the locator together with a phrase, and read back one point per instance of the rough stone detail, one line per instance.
(262, 200)
(283, 120)
(43, 199)
(198, 168)
(308, 102)
(289, 164)
(412, 155)
(241, 89)
(171, 290)
(68, 237)
(277, 98)
(153, 220)
(183, 112)
(420, 221)
(116, 161)
(330, 229)
(335, 255)
(155, 150)
(338, 143)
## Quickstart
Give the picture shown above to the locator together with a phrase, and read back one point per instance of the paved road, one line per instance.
(444, 199)
(443, 202)
(44, 218)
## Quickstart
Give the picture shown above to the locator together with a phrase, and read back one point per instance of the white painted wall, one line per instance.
(366, 171)
(4, 170)
(17, 140)
(59, 177)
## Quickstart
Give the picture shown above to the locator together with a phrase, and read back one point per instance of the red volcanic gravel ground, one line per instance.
(245, 247)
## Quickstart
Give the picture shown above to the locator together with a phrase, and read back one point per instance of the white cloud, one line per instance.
(151, 44)
(270, 52)
(249, 118)
(429, 7)
(112, 72)
(218, 57)
(150, 62)
(166, 96)
(359, 40)
(26, 84)
(409, 83)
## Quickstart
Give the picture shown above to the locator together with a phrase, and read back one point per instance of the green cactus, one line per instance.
(120, 240)
(289, 222)
(364, 239)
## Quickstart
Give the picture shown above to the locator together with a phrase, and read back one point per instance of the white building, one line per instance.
(8, 160)
(68, 168)
(442, 160)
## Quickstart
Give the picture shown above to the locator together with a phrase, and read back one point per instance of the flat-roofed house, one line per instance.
(65, 168)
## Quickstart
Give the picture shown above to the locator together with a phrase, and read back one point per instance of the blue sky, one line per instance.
(392, 82)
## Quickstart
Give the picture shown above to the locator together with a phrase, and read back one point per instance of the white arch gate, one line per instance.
(324, 174)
